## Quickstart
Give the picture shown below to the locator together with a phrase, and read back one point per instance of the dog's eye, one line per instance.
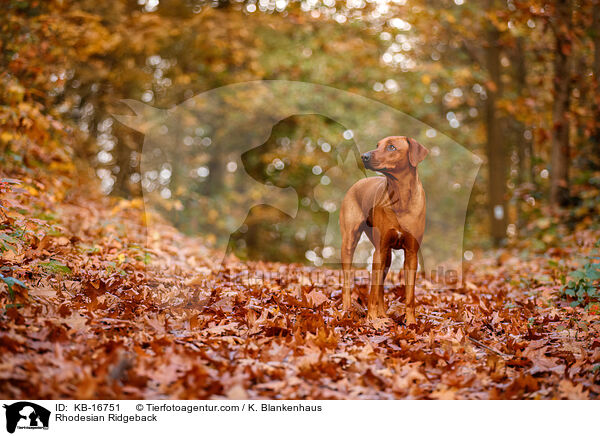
(391, 147)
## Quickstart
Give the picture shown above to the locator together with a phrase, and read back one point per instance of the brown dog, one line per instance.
(391, 211)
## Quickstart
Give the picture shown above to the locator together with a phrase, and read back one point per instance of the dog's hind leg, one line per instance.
(351, 229)
(410, 274)
(381, 307)
(349, 242)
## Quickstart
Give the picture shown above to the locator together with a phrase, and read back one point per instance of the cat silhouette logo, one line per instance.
(26, 415)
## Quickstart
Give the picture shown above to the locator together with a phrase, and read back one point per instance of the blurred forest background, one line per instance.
(516, 82)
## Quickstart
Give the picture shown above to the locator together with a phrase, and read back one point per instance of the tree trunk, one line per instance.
(559, 181)
(522, 143)
(496, 150)
(523, 146)
(122, 159)
(595, 136)
(596, 39)
(216, 167)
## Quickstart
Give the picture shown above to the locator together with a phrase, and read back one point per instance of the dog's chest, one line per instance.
(399, 226)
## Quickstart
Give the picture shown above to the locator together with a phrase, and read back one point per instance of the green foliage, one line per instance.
(10, 283)
(583, 286)
(54, 266)
(8, 242)
(114, 267)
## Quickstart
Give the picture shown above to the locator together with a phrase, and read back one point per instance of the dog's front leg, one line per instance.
(379, 269)
(410, 274)
(381, 306)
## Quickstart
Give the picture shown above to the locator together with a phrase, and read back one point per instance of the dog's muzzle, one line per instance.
(366, 159)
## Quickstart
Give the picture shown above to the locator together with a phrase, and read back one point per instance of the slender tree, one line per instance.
(495, 148)
(561, 23)
(595, 35)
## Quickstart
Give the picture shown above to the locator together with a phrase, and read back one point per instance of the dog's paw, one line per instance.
(358, 309)
(352, 311)
(381, 312)
(410, 319)
(381, 323)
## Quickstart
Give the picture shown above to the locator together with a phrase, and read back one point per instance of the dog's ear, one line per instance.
(416, 152)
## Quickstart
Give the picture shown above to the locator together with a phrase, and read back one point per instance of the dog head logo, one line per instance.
(193, 171)
(26, 415)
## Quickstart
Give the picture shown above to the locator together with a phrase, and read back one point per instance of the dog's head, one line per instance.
(394, 154)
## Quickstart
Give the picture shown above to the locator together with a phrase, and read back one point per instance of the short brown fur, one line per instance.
(391, 211)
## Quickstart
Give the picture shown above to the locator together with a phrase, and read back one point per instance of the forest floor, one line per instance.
(95, 313)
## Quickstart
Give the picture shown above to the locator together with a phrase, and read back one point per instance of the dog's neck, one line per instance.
(400, 186)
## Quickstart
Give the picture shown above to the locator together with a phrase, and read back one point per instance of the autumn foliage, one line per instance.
(93, 305)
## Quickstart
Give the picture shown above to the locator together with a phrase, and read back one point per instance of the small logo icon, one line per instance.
(26, 415)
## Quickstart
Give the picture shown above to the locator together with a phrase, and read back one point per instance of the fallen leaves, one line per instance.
(536, 353)
(106, 312)
(317, 298)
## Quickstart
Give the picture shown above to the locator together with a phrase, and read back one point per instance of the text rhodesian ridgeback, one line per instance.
(391, 211)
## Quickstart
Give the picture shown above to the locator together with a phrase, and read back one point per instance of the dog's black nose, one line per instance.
(366, 157)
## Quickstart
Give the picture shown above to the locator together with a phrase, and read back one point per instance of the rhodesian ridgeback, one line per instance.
(391, 211)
